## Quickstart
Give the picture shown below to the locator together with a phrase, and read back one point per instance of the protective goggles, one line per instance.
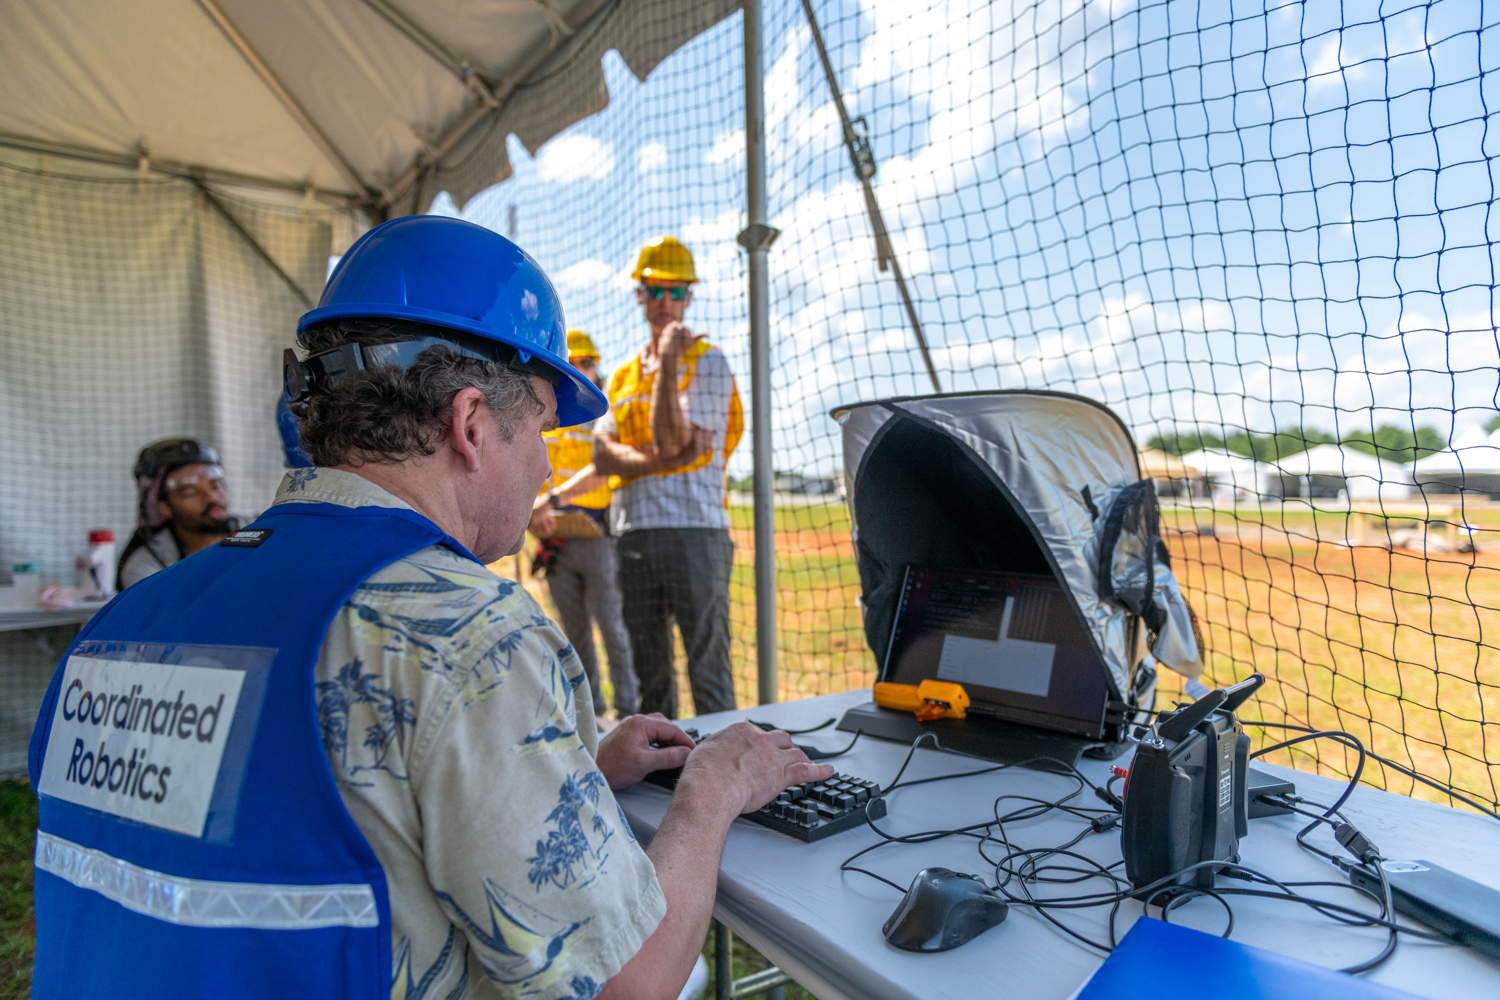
(674, 292)
(181, 481)
(319, 372)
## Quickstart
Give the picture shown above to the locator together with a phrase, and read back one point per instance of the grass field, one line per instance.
(17, 832)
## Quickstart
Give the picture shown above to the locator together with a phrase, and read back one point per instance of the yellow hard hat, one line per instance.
(665, 259)
(581, 345)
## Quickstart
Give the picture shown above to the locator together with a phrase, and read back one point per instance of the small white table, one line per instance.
(14, 621)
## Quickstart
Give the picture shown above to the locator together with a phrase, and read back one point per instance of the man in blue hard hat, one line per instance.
(334, 756)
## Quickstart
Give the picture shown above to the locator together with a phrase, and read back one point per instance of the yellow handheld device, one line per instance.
(928, 700)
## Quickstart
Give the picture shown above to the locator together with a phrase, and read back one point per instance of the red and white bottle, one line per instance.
(101, 563)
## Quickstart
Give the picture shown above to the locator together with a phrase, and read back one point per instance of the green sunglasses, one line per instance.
(677, 292)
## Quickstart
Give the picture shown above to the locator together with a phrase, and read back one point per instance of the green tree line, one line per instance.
(1389, 442)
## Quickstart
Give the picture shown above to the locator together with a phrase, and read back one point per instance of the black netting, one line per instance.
(1250, 232)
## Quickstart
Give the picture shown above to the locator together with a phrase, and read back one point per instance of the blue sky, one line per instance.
(1212, 215)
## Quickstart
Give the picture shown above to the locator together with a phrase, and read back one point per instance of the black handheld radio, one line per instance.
(1185, 795)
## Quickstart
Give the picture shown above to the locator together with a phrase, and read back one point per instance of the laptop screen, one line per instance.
(1015, 642)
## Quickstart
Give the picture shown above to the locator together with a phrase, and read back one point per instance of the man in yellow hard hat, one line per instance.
(570, 518)
(675, 417)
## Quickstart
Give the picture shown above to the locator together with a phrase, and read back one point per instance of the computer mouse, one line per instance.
(942, 910)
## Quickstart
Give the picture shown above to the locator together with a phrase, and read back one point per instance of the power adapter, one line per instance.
(1260, 786)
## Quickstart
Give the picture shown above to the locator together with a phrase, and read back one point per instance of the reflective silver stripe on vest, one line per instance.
(196, 902)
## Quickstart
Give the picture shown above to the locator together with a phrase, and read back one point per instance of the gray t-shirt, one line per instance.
(159, 552)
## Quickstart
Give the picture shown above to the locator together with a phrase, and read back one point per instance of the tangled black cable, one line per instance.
(1019, 869)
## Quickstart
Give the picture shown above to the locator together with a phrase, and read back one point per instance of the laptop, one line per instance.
(1017, 644)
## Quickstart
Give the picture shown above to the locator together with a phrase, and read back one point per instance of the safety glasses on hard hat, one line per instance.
(676, 292)
(318, 372)
(191, 482)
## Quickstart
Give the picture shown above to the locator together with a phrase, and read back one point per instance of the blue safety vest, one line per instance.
(273, 891)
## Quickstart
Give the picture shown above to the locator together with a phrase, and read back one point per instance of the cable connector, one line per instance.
(1109, 798)
(1356, 843)
(1102, 824)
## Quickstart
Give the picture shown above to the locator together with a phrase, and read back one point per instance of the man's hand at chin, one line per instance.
(639, 745)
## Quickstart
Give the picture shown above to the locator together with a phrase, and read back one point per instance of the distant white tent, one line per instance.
(1229, 477)
(1471, 463)
(1329, 471)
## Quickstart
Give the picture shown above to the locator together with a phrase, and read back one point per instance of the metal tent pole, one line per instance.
(863, 160)
(757, 238)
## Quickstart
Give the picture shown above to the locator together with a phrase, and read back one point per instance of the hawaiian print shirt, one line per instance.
(460, 728)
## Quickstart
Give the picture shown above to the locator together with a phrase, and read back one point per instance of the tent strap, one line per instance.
(863, 161)
(260, 251)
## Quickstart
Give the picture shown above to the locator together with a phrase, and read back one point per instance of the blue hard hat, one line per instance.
(450, 273)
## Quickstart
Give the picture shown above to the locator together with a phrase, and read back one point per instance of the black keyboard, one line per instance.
(809, 811)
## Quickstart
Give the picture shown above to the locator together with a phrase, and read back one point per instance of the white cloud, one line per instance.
(728, 148)
(1334, 61)
(574, 158)
(586, 275)
(651, 156)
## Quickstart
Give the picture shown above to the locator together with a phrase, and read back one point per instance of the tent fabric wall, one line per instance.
(133, 310)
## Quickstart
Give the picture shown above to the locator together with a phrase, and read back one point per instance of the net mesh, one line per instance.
(134, 310)
(1258, 233)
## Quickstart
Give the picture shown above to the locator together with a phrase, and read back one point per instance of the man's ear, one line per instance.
(640, 295)
(165, 510)
(468, 423)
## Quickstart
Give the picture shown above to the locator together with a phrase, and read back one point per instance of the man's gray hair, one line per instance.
(388, 414)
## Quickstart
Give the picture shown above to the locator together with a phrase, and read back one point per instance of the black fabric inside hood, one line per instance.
(921, 498)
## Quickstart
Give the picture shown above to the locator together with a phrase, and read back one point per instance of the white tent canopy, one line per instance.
(1231, 476)
(174, 175)
(370, 103)
(1474, 452)
(1471, 465)
(1330, 470)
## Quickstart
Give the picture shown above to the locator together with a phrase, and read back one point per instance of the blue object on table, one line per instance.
(1217, 967)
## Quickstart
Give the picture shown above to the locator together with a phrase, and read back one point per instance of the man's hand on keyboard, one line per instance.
(639, 745)
(750, 764)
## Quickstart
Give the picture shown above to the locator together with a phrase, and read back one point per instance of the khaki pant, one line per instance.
(583, 581)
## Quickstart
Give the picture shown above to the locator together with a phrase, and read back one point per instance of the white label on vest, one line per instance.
(141, 740)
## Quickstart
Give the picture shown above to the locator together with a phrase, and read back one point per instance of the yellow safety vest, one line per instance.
(570, 449)
(630, 391)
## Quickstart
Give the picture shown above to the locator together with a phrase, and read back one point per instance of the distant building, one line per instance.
(792, 482)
